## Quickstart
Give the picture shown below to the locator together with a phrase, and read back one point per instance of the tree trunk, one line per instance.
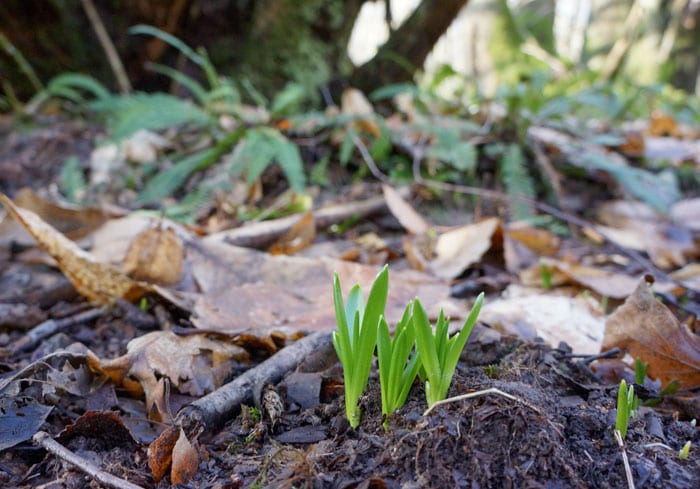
(408, 46)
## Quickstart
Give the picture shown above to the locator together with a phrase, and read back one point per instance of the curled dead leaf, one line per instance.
(155, 256)
(648, 330)
(97, 281)
(195, 364)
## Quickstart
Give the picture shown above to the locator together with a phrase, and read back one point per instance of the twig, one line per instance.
(373, 168)
(44, 439)
(112, 56)
(625, 461)
(262, 234)
(484, 392)
(51, 327)
(216, 408)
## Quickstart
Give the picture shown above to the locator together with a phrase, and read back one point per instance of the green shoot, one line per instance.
(438, 352)
(685, 451)
(396, 371)
(627, 404)
(640, 371)
(356, 337)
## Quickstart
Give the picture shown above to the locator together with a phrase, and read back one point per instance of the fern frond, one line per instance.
(517, 181)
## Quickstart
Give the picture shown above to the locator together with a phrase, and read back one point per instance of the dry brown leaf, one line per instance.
(354, 102)
(73, 222)
(301, 235)
(646, 329)
(160, 452)
(201, 365)
(246, 290)
(404, 212)
(185, 460)
(602, 282)
(155, 256)
(97, 281)
(637, 226)
(661, 124)
(538, 240)
(456, 250)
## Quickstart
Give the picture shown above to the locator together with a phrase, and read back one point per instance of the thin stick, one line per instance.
(471, 395)
(373, 168)
(108, 46)
(628, 471)
(216, 408)
(44, 439)
(51, 327)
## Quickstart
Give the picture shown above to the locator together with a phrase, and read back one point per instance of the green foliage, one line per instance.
(684, 452)
(438, 352)
(396, 371)
(356, 337)
(640, 371)
(127, 114)
(517, 181)
(627, 405)
(167, 181)
(71, 180)
(264, 146)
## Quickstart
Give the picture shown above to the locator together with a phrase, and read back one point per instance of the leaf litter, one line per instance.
(223, 308)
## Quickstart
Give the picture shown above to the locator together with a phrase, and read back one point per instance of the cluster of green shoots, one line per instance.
(415, 349)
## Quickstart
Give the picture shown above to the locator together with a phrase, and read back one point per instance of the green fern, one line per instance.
(264, 146)
(127, 114)
(517, 181)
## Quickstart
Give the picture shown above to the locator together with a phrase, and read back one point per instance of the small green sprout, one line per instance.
(438, 352)
(627, 404)
(396, 371)
(640, 371)
(685, 451)
(546, 275)
(356, 337)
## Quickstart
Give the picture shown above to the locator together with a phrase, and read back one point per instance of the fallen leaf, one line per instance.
(160, 452)
(456, 250)
(637, 226)
(646, 329)
(301, 235)
(202, 364)
(404, 212)
(248, 290)
(185, 460)
(602, 282)
(155, 256)
(554, 318)
(354, 102)
(97, 281)
(687, 213)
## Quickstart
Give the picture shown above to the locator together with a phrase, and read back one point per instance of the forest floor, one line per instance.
(553, 429)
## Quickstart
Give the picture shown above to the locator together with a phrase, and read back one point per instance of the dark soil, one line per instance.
(558, 433)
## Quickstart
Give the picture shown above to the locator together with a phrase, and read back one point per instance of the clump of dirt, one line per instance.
(558, 433)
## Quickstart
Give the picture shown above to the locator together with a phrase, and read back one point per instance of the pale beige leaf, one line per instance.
(456, 250)
(404, 212)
